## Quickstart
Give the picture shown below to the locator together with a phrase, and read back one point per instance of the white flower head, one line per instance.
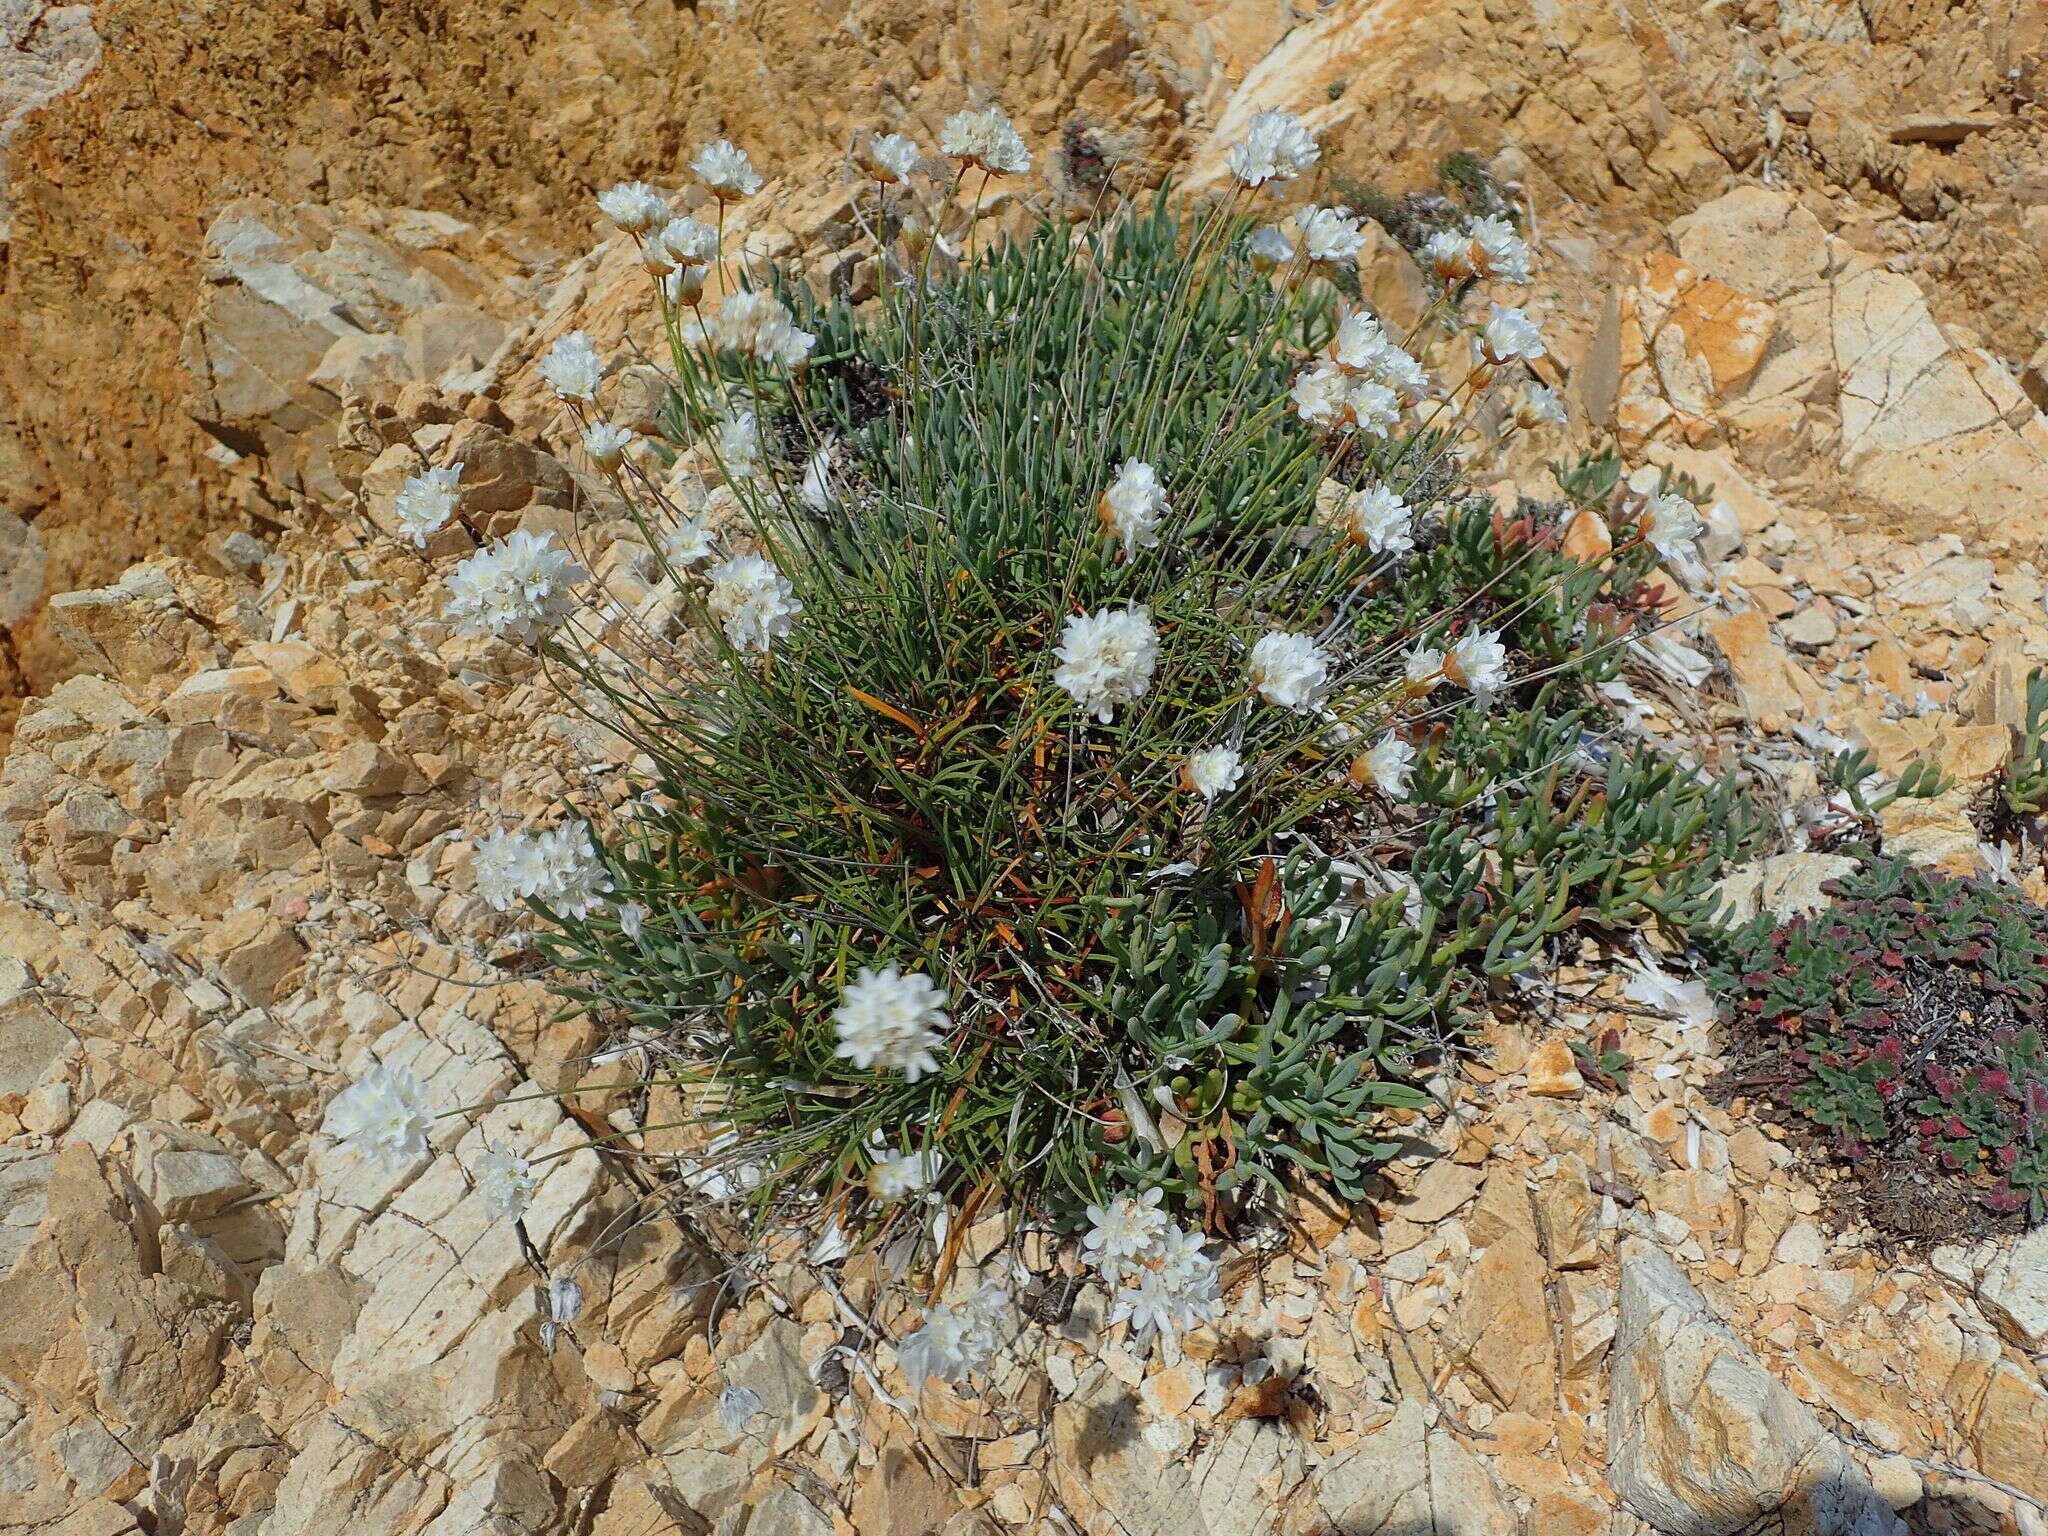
(1673, 526)
(516, 588)
(889, 158)
(1478, 661)
(685, 285)
(1651, 986)
(891, 1021)
(504, 1182)
(739, 443)
(1449, 254)
(956, 1341)
(1539, 407)
(1269, 247)
(1497, 250)
(815, 488)
(737, 1406)
(1321, 395)
(1214, 771)
(899, 1175)
(634, 207)
(426, 501)
(985, 139)
(756, 323)
(1276, 146)
(572, 368)
(688, 242)
(1373, 408)
(1389, 765)
(384, 1116)
(1106, 658)
(1176, 1288)
(725, 171)
(1291, 671)
(632, 920)
(1509, 334)
(606, 442)
(753, 602)
(1362, 347)
(1132, 507)
(1424, 667)
(1379, 519)
(557, 868)
(687, 544)
(1123, 1230)
(1329, 235)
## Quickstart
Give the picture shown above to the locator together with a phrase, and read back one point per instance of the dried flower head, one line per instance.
(1106, 658)
(1291, 671)
(725, 171)
(956, 1341)
(1538, 407)
(1497, 250)
(1276, 147)
(572, 368)
(1269, 248)
(425, 502)
(1449, 254)
(517, 589)
(892, 1022)
(1673, 526)
(1388, 765)
(987, 140)
(1424, 668)
(753, 603)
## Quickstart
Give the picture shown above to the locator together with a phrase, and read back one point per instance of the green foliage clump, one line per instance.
(1906, 1022)
(2023, 787)
(1145, 985)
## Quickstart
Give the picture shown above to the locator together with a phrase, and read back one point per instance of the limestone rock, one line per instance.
(1702, 1441)
(1786, 885)
(2014, 1290)
(1407, 1477)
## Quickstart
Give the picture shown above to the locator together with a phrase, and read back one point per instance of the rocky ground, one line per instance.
(235, 829)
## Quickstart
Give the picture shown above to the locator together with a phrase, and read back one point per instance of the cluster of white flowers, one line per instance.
(517, 588)
(1132, 507)
(1214, 771)
(1389, 765)
(1327, 396)
(740, 448)
(985, 139)
(606, 442)
(426, 501)
(1269, 247)
(889, 158)
(1160, 1277)
(1673, 527)
(1538, 406)
(1509, 334)
(1276, 147)
(725, 171)
(956, 1341)
(1329, 235)
(557, 868)
(688, 242)
(1291, 671)
(1379, 519)
(687, 544)
(891, 1021)
(899, 1175)
(504, 1182)
(1487, 247)
(1106, 658)
(757, 324)
(384, 1116)
(1363, 348)
(635, 207)
(752, 601)
(572, 368)
(1478, 662)
(1424, 668)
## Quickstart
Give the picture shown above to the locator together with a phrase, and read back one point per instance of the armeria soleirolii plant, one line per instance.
(1113, 752)
(1906, 1022)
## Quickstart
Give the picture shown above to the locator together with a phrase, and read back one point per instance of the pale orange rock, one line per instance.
(1553, 1073)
